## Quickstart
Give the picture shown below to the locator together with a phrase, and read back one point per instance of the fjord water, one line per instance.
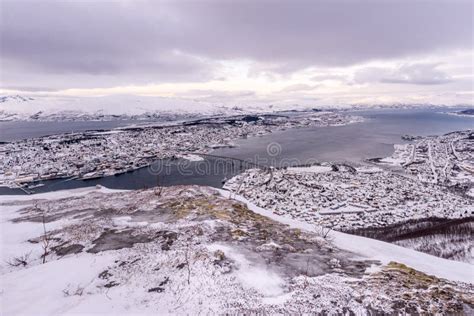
(350, 143)
(374, 137)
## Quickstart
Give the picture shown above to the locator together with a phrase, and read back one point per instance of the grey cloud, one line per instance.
(137, 41)
(29, 89)
(426, 74)
(322, 77)
(216, 96)
(299, 33)
(299, 88)
(111, 42)
(419, 74)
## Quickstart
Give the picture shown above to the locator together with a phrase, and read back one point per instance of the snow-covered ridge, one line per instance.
(115, 107)
(104, 108)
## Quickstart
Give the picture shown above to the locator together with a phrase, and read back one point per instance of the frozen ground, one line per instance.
(191, 250)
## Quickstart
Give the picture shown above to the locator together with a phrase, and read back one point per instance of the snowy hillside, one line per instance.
(103, 108)
(193, 250)
(64, 108)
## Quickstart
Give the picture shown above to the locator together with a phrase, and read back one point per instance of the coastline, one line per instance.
(146, 161)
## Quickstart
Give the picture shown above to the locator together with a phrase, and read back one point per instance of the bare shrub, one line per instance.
(78, 291)
(45, 239)
(159, 188)
(306, 274)
(323, 232)
(186, 261)
(20, 261)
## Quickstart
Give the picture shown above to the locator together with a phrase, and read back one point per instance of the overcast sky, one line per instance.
(241, 52)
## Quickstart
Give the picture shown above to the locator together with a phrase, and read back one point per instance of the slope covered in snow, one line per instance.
(49, 108)
(123, 106)
(191, 250)
(103, 108)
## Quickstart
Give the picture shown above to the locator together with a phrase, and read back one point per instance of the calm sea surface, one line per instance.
(351, 143)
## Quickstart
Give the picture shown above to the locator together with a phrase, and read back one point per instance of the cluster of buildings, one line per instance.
(445, 160)
(347, 198)
(96, 154)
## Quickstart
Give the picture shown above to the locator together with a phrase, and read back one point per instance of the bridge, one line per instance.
(241, 161)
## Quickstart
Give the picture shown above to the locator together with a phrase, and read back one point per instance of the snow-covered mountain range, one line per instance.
(17, 107)
(117, 107)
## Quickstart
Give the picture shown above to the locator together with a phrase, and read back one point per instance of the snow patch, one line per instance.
(251, 275)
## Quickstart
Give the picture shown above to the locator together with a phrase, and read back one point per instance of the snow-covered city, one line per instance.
(101, 153)
(444, 159)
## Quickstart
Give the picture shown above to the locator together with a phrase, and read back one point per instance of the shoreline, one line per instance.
(202, 124)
